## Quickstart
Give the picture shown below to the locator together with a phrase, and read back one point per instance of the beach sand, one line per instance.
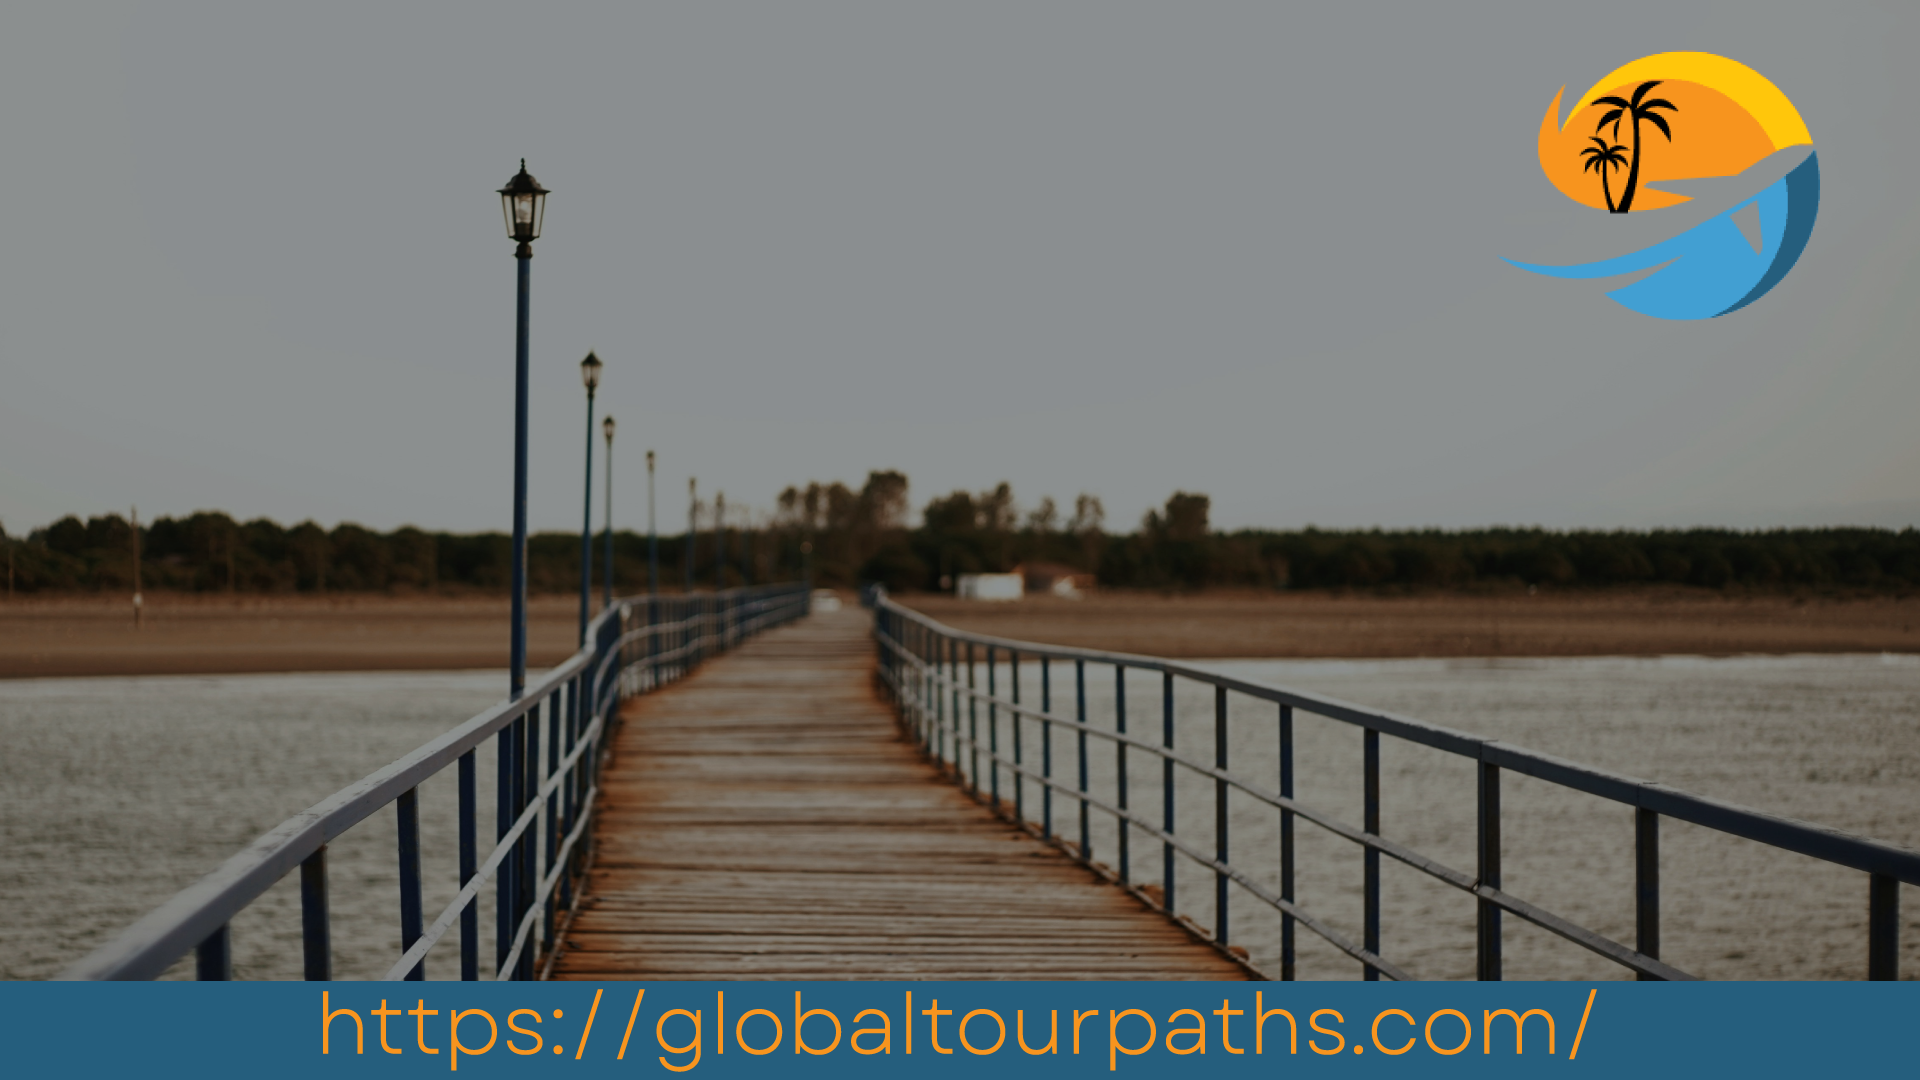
(1318, 624)
(217, 634)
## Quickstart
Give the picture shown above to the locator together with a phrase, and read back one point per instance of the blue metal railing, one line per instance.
(543, 816)
(929, 668)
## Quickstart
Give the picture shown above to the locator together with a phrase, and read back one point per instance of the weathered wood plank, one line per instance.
(764, 819)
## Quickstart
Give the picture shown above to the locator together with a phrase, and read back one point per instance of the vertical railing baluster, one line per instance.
(527, 783)
(213, 957)
(1646, 885)
(1166, 788)
(526, 759)
(953, 683)
(1371, 813)
(1287, 973)
(1883, 927)
(939, 733)
(1120, 769)
(555, 833)
(1046, 747)
(1080, 746)
(1489, 861)
(407, 811)
(929, 687)
(993, 731)
(503, 818)
(1220, 814)
(973, 726)
(469, 865)
(1019, 722)
(316, 924)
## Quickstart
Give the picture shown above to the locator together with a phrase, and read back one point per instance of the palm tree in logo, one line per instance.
(1635, 110)
(1600, 157)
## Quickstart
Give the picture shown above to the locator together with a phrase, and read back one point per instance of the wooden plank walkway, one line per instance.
(765, 819)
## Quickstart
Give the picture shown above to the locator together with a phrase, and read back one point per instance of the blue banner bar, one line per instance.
(953, 1028)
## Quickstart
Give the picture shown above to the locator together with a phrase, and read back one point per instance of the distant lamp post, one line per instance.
(693, 521)
(719, 540)
(590, 375)
(653, 538)
(606, 574)
(524, 202)
(138, 600)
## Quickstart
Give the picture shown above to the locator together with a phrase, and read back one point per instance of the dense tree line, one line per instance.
(210, 552)
(848, 536)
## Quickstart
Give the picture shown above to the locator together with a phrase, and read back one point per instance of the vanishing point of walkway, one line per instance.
(765, 819)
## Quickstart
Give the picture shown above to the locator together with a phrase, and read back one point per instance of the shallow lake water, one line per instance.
(117, 792)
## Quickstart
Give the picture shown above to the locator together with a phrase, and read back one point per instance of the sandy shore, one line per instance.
(205, 635)
(1325, 625)
(216, 634)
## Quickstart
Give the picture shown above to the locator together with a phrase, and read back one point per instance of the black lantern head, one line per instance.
(524, 202)
(607, 426)
(590, 371)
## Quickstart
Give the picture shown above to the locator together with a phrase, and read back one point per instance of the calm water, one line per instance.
(116, 792)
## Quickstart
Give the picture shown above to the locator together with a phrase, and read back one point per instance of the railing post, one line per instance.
(1120, 768)
(953, 683)
(316, 926)
(1883, 928)
(1371, 740)
(993, 730)
(1489, 862)
(1220, 814)
(530, 840)
(469, 865)
(937, 738)
(1019, 721)
(1080, 744)
(213, 957)
(1166, 789)
(503, 820)
(973, 727)
(1646, 886)
(407, 808)
(1286, 843)
(555, 830)
(1046, 747)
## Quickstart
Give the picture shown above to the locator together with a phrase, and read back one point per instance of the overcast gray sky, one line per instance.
(255, 262)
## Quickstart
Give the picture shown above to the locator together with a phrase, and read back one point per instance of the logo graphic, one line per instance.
(1713, 146)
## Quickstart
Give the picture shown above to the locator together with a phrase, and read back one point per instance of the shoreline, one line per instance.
(1320, 625)
(217, 634)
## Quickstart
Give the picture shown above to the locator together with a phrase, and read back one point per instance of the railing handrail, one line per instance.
(145, 949)
(1793, 834)
(921, 659)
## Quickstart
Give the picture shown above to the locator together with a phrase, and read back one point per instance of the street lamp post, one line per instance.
(653, 538)
(606, 575)
(693, 515)
(524, 202)
(590, 375)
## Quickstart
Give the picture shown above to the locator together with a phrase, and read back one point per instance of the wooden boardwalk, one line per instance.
(765, 819)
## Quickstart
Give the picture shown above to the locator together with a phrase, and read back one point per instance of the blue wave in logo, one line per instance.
(1712, 268)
